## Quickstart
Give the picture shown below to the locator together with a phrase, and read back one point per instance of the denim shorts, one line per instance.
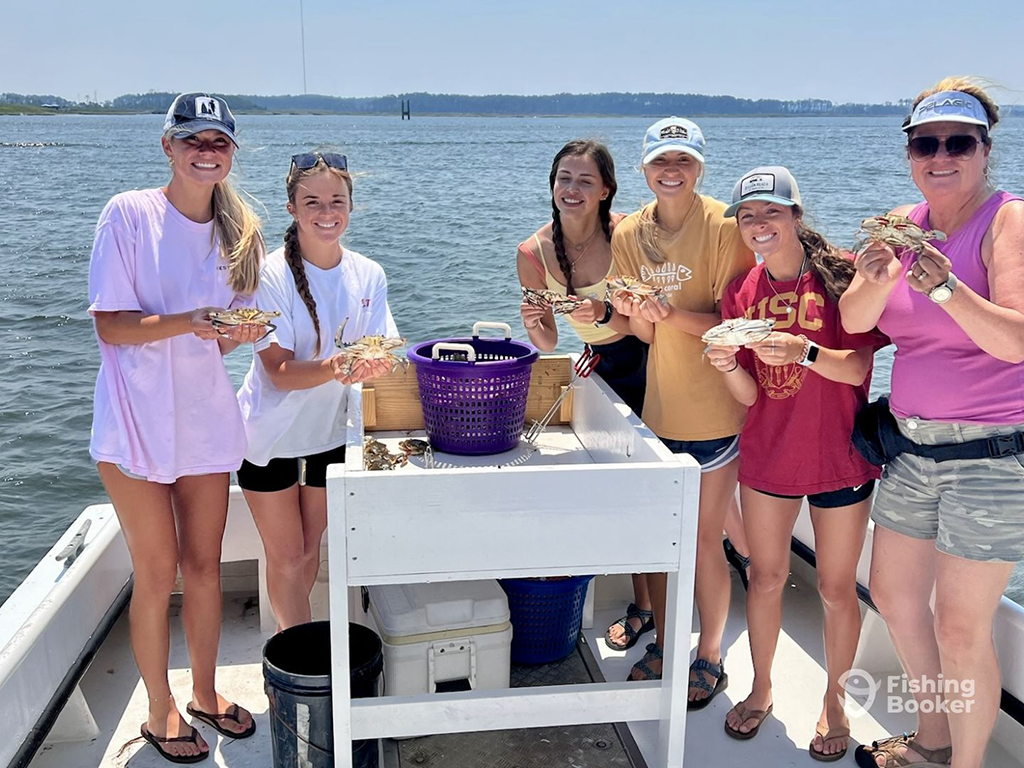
(972, 508)
(710, 454)
(280, 474)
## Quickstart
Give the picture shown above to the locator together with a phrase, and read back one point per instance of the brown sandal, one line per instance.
(889, 748)
(826, 734)
(747, 714)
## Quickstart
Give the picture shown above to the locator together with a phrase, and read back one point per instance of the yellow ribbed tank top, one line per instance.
(588, 332)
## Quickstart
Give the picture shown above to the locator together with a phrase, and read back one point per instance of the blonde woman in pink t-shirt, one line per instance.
(166, 426)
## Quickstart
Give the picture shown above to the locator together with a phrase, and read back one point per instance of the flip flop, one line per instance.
(705, 668)
(632, 635)
(214, 721)
(747, 714)
(157, 743)
(827, 734)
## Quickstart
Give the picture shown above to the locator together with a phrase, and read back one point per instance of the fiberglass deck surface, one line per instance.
(117, 697)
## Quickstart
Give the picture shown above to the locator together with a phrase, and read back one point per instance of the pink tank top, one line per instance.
(939, 373)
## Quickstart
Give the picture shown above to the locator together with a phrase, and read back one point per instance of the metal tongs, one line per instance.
(584, 367)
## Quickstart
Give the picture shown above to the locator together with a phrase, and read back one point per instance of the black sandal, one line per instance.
(157, 743)
(737, 561)
(632, 635)
(705, 668)
(654, 653)
(233, 713)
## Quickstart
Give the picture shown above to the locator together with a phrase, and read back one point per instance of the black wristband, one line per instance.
(609, 312)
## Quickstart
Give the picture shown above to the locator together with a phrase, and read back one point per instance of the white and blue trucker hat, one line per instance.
(950, 107)
(673, 134)
(769, 184)
(194, 112)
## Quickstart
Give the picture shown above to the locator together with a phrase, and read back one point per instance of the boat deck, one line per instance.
(117, 698)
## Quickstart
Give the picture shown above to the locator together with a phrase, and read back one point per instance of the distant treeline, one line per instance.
(646, 104)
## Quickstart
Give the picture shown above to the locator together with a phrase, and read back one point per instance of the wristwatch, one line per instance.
(609, 311)
(810, 352)
(943, 292)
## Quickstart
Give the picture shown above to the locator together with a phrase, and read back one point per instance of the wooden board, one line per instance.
(392, 402)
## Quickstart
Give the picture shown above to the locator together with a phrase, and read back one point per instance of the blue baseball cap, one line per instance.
(194, 112)
(673, 134)
(948, 106)
(769, 184)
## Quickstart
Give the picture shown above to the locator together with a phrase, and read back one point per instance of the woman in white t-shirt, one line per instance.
(166, 429)
(294, 396)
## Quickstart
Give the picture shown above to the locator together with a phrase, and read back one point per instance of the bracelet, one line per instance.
(735, 365)
(806, 349)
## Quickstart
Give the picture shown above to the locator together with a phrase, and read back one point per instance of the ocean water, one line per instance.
(441, 204)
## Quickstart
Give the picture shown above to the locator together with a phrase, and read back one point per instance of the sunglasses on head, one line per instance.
(958, 146)
(307, 160)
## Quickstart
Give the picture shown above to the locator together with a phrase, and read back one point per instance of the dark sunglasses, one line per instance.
(959, 146)
(307, 160)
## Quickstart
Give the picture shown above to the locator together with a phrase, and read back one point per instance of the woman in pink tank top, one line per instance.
(956, 314)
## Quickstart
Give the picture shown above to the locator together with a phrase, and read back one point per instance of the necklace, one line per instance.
(582, 248)
(768, 277)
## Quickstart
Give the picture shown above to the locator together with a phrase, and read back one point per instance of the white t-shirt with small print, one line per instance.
(303, 422)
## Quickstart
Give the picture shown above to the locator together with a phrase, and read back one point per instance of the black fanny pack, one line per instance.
(877, 437)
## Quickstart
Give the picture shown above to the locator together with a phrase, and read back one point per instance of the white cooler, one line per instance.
(443, 632)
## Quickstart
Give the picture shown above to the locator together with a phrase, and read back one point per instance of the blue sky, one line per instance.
(844, 51)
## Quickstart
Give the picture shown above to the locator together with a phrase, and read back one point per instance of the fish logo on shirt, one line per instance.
(668, 276)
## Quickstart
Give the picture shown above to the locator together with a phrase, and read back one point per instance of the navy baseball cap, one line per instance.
(948, 106)
(194, 112)
(769, 183)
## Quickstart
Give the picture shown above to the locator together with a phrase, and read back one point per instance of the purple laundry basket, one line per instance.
(473, 391)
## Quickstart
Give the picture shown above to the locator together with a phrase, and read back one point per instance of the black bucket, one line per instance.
(297, 675)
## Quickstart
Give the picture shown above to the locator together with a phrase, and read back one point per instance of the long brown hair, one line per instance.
(599, 153)
(292, 252)
(826, 261)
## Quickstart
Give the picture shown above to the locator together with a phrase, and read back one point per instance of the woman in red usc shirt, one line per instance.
(803, 385)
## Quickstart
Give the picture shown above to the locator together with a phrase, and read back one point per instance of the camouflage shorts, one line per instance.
(973, 508)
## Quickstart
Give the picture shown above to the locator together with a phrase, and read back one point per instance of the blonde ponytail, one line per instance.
(241, 242)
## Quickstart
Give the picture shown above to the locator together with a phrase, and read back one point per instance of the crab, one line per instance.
(737, 332)
(560, 303)
(897, 231)
(385, 461)
(374, 447)
(414, 446)
(634, 287)
(376, 456)
(370, 348)
(244, 316)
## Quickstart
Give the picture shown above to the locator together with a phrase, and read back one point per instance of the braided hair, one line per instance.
(606, 167)
(292, 251)
(293, 256)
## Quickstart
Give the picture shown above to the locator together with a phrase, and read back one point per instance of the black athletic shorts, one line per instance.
(284, 473)
(844, 497)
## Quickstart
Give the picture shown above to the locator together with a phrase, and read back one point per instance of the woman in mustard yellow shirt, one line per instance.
(684, 244)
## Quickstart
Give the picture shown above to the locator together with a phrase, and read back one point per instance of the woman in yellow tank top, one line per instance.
(572, 255)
